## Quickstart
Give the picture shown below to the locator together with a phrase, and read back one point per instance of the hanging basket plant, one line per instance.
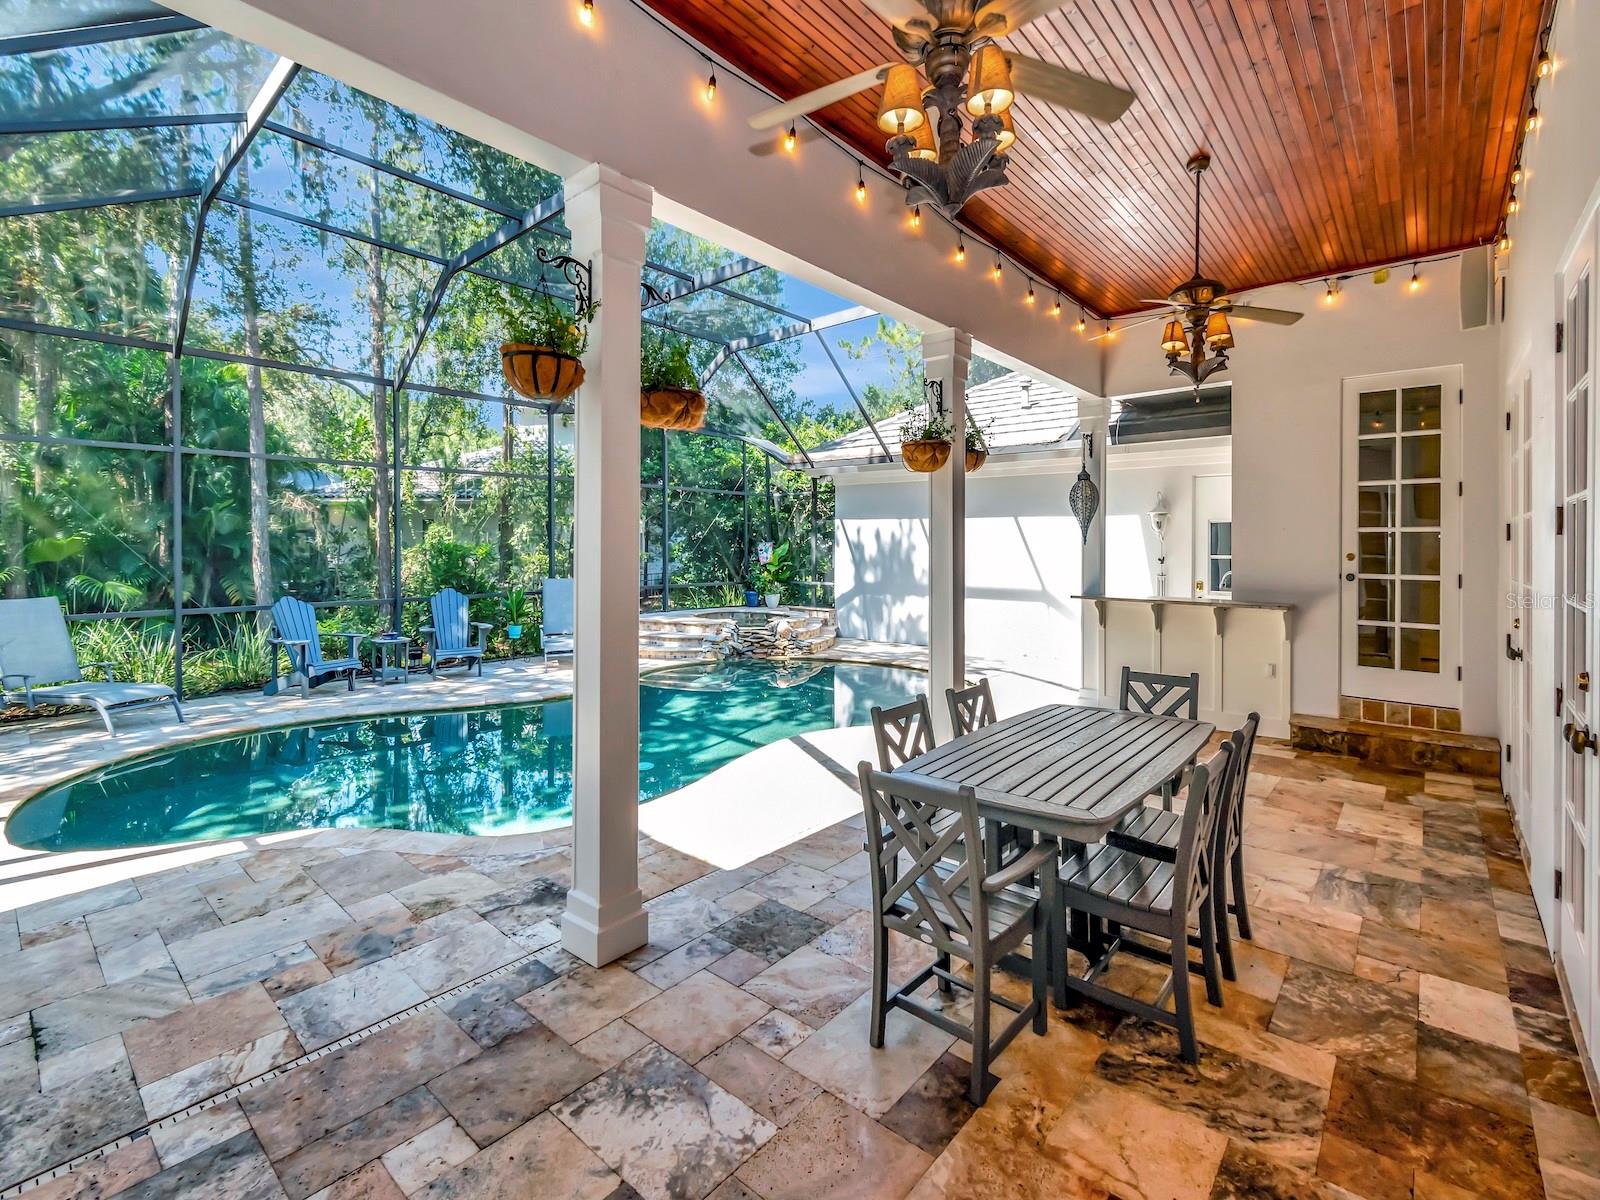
(669, 386)
(544, 342)
(977, 446)
(925, 442)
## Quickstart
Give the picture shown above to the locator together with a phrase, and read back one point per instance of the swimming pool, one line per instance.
(497, 770)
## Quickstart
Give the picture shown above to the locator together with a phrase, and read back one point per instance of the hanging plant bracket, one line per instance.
(579, 276)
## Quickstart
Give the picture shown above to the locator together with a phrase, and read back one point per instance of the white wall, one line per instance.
(1286, 397)
(529, 79)
(1137, 474)
(1022, 565)
(1561, 163)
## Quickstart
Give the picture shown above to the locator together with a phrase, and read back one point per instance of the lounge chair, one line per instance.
(295, 622)
(556, 625)
(450, 635)
(35, 648)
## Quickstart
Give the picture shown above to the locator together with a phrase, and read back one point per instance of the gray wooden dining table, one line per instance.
(1065, 770)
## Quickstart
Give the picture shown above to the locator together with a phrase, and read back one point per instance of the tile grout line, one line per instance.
(267, 1076)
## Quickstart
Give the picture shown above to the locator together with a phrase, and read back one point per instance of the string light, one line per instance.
(1028, 299)
(789, 139)
(997, 270)
(1512, 204)
(711, 87)
(1082, 324)
(916, 217)
(961, 249)
(1533, 118)
(1330, 294)
(1416, 280)
(1110, 333)
(1055, 309)
(586, 13)
(1544, 65)
(1516, 172)
(1504, 244)
(861, 186)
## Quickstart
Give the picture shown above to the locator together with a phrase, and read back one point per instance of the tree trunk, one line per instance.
(260, 510)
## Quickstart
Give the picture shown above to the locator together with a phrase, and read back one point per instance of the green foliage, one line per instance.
(137, 651)
(665, 362)
(541, 320)
(514, 607)
(439, 561)
(924, 425)
(977, 436)
(774, 574)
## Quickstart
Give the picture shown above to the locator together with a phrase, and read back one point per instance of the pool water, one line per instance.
(491, 770)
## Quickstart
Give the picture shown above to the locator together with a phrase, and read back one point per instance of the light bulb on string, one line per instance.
(861, 186)
(1512, 204)
(1055, 309)
(997, 270)
(1544, 65)
(1330, 294)
(789, 140)
(1503, 246)
(1416, 279)
(1082, 324)
(586, 13)
(1534, 119)
(711, 87)
(961, 249)
(916, 217)
(1029, 298)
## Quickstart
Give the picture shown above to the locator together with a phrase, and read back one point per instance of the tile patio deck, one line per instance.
(365, 1014)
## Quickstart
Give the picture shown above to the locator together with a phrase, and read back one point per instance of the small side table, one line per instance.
(392, 665)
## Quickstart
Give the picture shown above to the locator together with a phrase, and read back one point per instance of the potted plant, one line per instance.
(773, 572)
(977, 446)
(924, 441)
(544, 341)
(514, 608)
(669, 387)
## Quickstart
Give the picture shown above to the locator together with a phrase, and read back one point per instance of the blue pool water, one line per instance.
(491, 770)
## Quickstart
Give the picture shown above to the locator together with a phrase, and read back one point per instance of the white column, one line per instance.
(609, 216)
(1092, 413)
(946, 355)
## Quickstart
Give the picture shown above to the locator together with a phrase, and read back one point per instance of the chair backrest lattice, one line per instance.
(923, 881)
(1160, 695)
(1208, 786)
(452, 629)
(34, 641)
(1232, 818)
(971, 708)
(902, 732)
(296, 621)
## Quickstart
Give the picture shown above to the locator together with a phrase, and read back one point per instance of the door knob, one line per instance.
(1583, 681)
(1581, 740)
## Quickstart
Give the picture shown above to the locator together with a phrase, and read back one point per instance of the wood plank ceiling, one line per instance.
(1344, 133)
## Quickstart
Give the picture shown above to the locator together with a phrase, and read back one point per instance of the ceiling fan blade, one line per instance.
(1067, 89)
(832, 93)
(1268, 316)
(1162, 303)
(900, 13)
(1000, 17)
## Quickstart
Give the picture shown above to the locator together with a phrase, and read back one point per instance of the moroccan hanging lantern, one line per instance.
(1084, 498)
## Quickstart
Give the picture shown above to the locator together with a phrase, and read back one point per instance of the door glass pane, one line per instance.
(1419, 408)
(1419, 554)
(1377, 412)
(1221, 573)
(1375, 508)
(1419, 456)
(1419, 650)
(1419, 601)
(1377, 554)
(1377, 458)
(1375, 645)
(1222, 537)
(1578, 424)
(1419, 504)
(1375, 599)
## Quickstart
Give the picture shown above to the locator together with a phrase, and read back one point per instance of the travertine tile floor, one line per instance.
(1396, 1030)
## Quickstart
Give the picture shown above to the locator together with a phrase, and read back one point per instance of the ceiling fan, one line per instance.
(1201, 307)
(972, 77)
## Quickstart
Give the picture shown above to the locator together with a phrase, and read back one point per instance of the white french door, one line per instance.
(1400, 597)
(1578, 757)
(1533, 813)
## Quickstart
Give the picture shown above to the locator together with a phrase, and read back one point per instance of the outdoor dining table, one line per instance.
(1066, 770)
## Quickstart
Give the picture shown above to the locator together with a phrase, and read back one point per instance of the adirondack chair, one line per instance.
(450, 635)
(295, 623)
(35, 649)
(556, 626)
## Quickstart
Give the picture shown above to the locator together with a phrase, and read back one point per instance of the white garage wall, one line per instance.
(1286, 397)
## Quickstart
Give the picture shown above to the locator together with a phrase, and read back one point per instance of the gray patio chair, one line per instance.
(1163, 899)
(1154, 833)
(902, 732)
(295, 623)
(451, 635)
(925, 886)
(970, 707)
(35, 649)
(1162, 696)
(556, 624)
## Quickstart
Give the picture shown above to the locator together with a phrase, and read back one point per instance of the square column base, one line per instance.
(600, 936)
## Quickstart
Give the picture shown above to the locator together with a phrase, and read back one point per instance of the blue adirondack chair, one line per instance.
(295, 623)
(450, 637)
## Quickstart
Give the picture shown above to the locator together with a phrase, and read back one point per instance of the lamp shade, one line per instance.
(901, 109)
(1008, 135)
(990, 90)
(925, 147)
(1173, 339)
(1218, 334)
